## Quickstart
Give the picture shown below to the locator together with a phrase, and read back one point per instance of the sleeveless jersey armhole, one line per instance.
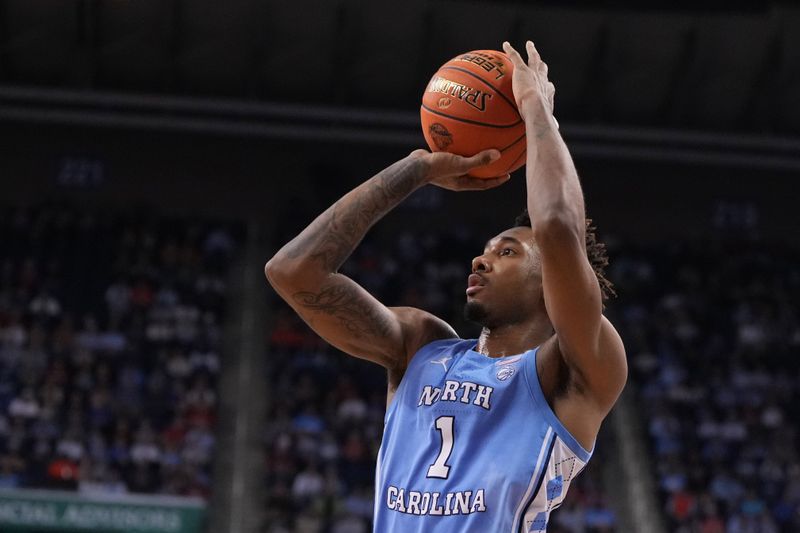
(532, 379)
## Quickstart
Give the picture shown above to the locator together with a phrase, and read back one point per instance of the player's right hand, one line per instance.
(449, 171)
(530, 82)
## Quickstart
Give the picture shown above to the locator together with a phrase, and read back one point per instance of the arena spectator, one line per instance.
(712, 335)
(109, 350)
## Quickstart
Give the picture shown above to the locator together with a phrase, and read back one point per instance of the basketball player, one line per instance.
(480, 435)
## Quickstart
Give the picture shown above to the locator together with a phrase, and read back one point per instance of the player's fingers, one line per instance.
(533, 54)
(480, 159)
(491, 183)
(513, 54)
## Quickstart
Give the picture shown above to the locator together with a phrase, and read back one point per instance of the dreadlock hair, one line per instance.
(595, 251)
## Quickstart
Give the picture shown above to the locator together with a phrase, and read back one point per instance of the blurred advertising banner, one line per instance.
(68, 512)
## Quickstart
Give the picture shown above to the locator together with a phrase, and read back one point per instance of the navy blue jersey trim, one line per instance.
(538, 483)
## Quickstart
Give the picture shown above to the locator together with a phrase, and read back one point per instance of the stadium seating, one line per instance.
(713, 335)
(110, 330)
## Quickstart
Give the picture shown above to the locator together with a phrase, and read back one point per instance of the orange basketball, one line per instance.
(469, 106)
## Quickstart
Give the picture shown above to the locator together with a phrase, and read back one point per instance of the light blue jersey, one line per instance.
(471, 445)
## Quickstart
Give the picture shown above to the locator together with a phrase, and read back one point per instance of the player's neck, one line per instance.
(512, 339)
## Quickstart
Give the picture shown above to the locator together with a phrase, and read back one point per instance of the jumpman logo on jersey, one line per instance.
(443, 361)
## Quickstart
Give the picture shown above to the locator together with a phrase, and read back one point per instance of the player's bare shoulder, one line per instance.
(558, 378)
(419, 328)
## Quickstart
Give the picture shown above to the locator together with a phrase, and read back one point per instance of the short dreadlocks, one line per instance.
(595, 251)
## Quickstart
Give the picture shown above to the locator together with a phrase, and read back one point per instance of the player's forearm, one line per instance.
(554, 191)
(326, 243)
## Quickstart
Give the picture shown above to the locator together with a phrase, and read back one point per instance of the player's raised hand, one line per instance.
(530, 82)
(449, 171)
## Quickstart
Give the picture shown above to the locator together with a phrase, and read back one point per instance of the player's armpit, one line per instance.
(604, 375)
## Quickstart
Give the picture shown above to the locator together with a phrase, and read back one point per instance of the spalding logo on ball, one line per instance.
(468, 106)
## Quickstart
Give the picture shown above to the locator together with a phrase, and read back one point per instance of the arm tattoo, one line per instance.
(331, 238)
(542, 130)
(344, 303)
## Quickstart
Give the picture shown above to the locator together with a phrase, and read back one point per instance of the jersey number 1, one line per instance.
(439, 468)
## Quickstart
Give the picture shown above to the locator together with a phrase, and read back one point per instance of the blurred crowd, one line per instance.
(713, 338)
(110, 338)
(110, 332)
(327, 411)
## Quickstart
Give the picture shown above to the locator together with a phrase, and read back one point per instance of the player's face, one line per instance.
(505, 286)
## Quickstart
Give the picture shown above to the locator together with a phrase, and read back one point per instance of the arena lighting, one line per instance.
(272, 120)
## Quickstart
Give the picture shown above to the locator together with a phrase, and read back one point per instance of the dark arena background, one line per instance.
(155, 153)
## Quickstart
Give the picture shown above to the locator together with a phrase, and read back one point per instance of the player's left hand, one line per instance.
(529, 82)
(449, 171)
